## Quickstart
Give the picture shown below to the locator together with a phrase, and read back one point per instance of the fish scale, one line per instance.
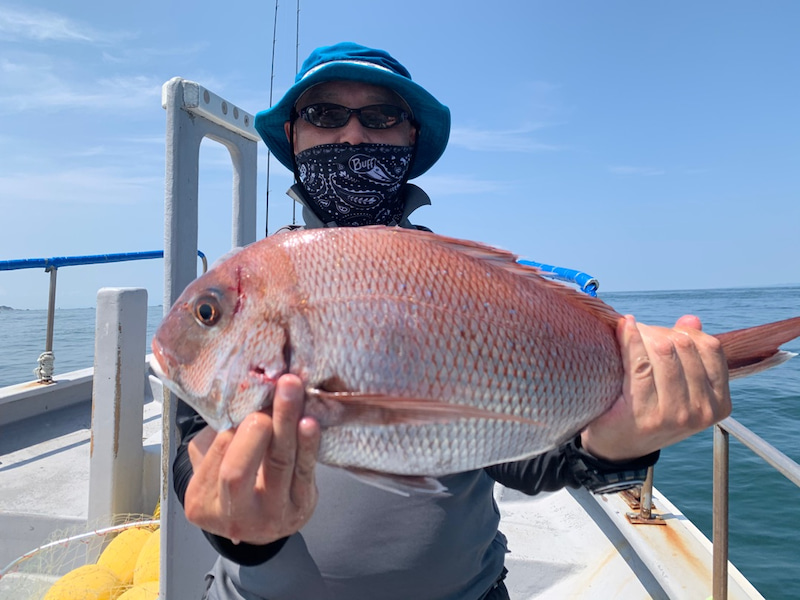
(443, 325)
(421, 355)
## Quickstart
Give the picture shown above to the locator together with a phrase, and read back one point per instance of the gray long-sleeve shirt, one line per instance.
(366, 543)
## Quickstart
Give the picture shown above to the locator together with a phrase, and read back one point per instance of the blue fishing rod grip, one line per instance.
(586, 282)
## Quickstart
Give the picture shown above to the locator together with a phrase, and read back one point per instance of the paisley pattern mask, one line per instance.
(356, 185)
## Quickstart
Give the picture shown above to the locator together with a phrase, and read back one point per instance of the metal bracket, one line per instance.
(638, 519)
(641, 499)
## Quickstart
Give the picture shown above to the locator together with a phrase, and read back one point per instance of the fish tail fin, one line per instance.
(755, 349)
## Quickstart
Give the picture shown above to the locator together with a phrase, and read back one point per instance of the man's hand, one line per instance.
(676, 384)
(255, 483)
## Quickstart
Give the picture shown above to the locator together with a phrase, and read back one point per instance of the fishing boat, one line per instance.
(81, 451)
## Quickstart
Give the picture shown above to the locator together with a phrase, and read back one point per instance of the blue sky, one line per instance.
(654, 145)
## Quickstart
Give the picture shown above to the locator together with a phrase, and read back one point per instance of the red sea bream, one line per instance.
(421, 355)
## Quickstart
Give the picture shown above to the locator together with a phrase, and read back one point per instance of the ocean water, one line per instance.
(764, 526)
(23, 336)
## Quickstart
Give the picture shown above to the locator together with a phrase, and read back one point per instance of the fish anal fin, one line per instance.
(402, 485)
(338, 408)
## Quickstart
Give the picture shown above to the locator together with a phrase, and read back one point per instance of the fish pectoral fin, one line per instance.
(402, 485)
(382, 409)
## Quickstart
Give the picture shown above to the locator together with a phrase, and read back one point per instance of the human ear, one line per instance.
(412, 136)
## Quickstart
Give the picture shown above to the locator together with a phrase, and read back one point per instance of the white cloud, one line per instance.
(36, 86)
(42, 25)
(126, 54)
(640, 171)
(492, 140)
(89, 152)
(144, 140)
(89, 185)
(41, 78)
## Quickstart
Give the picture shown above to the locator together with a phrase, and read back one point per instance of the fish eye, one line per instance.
(207, 311)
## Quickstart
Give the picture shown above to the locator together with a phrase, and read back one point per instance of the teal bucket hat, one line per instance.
(353, 62)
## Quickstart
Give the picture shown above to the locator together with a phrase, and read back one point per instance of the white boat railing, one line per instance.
(721, 471)
(766, 451)
(44, 370)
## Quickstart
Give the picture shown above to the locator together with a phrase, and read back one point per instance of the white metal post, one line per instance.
(192, 114)
(115, 484)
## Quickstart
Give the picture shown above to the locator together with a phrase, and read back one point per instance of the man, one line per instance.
(354, 129)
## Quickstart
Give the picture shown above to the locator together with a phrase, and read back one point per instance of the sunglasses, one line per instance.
(374, 116)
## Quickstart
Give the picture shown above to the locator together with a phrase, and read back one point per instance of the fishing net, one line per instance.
(30, 576)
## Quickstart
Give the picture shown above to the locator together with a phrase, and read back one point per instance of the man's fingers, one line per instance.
(669, 349)
(714, 366)
(304, 489)
(707, 375)
(238, 473)
(287, 409)
(206, 461)
(689, 322)
(207, 450)
(256, 483)
(635, 360)
(634, 352)
(199, 445)
(689, 392)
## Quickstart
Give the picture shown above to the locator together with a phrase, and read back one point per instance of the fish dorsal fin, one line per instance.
(590, 304)
(508, 261)
(232, 252)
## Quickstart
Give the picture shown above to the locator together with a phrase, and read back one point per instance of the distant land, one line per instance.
(2, 307)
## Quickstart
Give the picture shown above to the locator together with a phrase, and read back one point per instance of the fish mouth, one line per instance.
(217, 403)
(163, 363)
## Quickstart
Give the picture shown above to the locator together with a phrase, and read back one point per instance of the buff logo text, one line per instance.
(362, 163)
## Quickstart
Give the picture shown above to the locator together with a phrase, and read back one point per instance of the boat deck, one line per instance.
(568, 544)
(44, 475)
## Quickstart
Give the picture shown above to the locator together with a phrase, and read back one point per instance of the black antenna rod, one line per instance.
(271, 80)
(296, 71)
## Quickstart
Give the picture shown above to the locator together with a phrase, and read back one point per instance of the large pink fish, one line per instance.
(421, 355)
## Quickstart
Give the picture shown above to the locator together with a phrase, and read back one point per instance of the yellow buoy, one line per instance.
(149, 560)
(121, 554)
(89, 582)
(146, 591)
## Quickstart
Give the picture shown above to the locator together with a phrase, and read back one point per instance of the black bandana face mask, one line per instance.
(355, 185)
